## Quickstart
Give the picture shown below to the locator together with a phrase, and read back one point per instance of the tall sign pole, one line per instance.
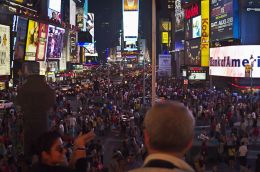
(153, 51)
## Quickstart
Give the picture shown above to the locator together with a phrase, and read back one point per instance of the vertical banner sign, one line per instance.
(4, 50)
(41, 49)
(73, 48)
(32, 41)
(205, 33)
(20, 38)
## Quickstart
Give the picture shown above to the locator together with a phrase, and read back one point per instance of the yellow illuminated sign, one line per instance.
(205, 33)
(165, 37)
(32, 41)
(130, 5)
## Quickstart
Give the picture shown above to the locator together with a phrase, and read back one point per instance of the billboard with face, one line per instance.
(20, 38)
(196, 27)
(4, 50)
(41, 49)
(55, 42)
(32, 40)
(54, 10)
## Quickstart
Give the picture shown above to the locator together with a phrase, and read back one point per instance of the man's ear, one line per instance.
(146, 139)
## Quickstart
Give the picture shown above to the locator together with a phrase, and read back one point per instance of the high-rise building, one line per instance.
(170, 5)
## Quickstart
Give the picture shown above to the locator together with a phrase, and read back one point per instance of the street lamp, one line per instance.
(252, 61)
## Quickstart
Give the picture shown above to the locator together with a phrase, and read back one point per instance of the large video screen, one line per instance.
(231, 61)
(179, 16)
(196, 27)
(192, 53)
(131, 5)
(188, 29)
(221, 19)
(55, 42)
(130, 24)
(20, 38)
(197, 76)
(54, 10)
(42, 43)
(90, 26)
(4, 50)
(55, 5)
(32, 40)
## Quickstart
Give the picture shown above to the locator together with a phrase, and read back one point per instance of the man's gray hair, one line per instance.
(170, 126)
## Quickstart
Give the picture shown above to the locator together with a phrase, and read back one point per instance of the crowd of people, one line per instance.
(105, 106)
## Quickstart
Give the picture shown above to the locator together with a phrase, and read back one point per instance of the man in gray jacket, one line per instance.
(168, 135)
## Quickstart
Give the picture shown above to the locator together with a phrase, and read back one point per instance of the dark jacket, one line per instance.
(80, 166)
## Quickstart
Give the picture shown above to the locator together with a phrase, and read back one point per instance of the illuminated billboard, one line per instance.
(54, 10)
(90, 49)
(131, 5)
(205, 33)
(196, 27)
(55, 42)
(42, 43)
(221, 19)
(90, 26)
(197, 76)
(179, 16)
(131, 24)
(231, 61)
(4, 50)
(20, 38)
(192, 53)
(72, 13)
(32, 40)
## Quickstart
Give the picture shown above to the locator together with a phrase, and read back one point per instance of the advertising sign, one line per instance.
(179, 16)
(55, 42)
(130, 24)
(192, 11)
(197, 76)
(4, 50)
(205, 33)
(20, 38)
(90, 25)
(53, 66)
(165, 64)
(90, 49)
(221, 19)
(196, 27)
(192, 53)
(32, 40)
(73, 47)
(131, 5)
(54, 10)
(188, 29)
(165, 37)
(231, 61)
(41, 48)
(72, 13)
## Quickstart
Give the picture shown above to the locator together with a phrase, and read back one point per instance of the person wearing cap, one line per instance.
(168, 135)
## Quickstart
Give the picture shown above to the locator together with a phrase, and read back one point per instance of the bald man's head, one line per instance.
(169, 126)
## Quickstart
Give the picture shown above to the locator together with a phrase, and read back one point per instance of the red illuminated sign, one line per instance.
(192, 12)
